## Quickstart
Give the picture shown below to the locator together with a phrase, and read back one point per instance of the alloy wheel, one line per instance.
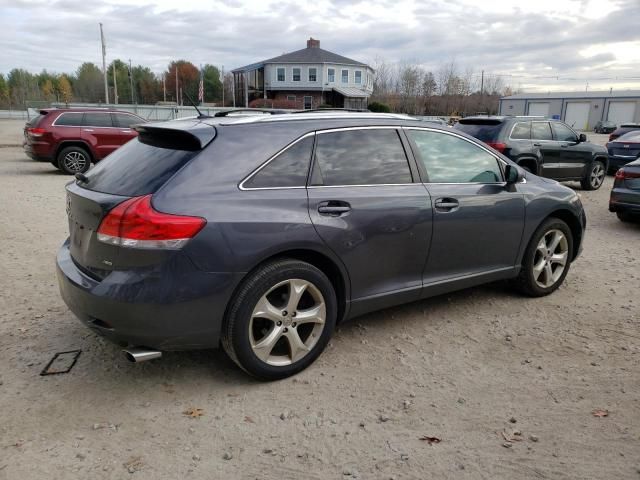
(75, 161)
(287, 322)
(550, 258)
(597, 175)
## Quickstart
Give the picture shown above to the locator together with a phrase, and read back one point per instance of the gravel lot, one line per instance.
(464, 368)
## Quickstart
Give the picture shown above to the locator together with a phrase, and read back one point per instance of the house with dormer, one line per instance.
(305, 79)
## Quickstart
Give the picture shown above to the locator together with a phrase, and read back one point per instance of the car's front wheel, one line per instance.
(595, 176)
(547, 259)
(280, 320)
(72, 160)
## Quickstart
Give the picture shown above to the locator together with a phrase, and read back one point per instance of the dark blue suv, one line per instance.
(261, 234)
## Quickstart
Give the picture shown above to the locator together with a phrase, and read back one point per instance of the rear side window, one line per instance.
(136, 169)
(486, 131)
(360, 157)
(289, 169)
(451, 159)
(521, 131)
(125, 121)
(541, 131)
(70, 119)
(97, 120)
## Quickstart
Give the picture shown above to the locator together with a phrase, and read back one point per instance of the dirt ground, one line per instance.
(464, 368)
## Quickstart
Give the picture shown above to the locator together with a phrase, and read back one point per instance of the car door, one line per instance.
(542, 137)
(574, 156)
(477, 218)
(368, 206)
(124, 122)
(98, 130)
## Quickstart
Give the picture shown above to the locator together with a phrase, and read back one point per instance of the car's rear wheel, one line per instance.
(547, 259)
(72, 160)
(55, 164)
(595, 176)
(280, 320)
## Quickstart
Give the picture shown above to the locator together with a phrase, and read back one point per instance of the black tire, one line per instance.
(72, 160)
(55, 164)
(625, 217)
(526, 168)
(594, 177)
(237, 333)
(526, 282)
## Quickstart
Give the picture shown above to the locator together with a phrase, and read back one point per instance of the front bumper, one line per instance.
(172, 307)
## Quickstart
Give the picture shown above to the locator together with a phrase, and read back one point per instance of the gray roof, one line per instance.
(305, 55)
(560, 95)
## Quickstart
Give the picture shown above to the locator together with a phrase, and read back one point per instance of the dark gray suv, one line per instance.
(261, 234)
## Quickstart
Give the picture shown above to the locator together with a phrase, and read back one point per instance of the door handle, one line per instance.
(333, 208)
(537, 144)
(87, 130)
(564, 145)
(446, 204)
(128, 130)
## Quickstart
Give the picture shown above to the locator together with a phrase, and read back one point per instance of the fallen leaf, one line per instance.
(193, 412)
(430, 440)
(600, 412)
(249, 420)
(134, 464)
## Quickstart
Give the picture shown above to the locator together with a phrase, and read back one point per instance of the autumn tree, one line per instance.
(4, 91)
(64, 89)
(188, 79)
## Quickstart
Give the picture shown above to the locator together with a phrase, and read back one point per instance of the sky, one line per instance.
(534, 46)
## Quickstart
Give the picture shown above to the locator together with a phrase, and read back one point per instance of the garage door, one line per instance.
(621, 112)
(577, 115)
(539, 109)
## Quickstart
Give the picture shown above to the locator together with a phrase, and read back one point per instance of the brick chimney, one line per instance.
(313, 43)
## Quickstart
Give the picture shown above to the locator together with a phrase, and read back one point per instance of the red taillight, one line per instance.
(497, 146)
(612, 137)
(135, 224)
(623, 174)
(36, 132)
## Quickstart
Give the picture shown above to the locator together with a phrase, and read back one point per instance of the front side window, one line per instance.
(97, 120)
(313, 74)
(360, 157)
(331, 75)
(296, 74)
(125, 121)
(280, 74)
(345, 76)
(289, 169)
(358, 77)
(521, 131)
(70, 119)
(563, 133)
(541, 131)
(451, 159)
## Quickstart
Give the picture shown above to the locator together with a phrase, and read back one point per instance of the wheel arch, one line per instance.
(75, 143)
(570, 218)
(530, 162)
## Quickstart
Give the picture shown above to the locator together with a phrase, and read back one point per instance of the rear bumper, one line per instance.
(625, 200)
(618, 162)
(38, 152)
(174, 307)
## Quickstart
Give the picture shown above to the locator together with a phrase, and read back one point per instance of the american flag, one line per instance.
(201, 88)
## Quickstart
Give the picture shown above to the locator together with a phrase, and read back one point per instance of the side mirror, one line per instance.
(513, 174)
(582, 138)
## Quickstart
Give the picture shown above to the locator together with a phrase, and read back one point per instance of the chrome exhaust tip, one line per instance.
(140, 354)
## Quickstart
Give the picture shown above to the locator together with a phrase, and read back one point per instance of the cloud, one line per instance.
(60, 35)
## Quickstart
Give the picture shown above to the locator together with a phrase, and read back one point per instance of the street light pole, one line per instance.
(131, 82)
(104, 67)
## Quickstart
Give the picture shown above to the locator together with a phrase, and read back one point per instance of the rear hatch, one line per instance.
(626, 146)
(137, 169)
(485, 129)
(31, 128)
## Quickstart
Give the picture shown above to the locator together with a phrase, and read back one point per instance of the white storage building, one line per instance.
(581, 110)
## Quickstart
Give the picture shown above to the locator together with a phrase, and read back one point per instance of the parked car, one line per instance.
(622, 129)
(604, 127)
(623, 150)
(548, 148)
(237, 235)
(72, 139)
(625, 194)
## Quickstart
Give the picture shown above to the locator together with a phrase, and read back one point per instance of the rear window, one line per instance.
(136, 169)
(633, 136)
(487, 131)
(35, 121)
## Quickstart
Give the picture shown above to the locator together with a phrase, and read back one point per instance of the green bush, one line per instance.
(379, 107)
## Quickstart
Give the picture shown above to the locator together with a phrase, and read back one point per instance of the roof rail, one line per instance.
(226, 113)
(334, 109)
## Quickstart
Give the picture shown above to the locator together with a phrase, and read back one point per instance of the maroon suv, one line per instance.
(72, 139)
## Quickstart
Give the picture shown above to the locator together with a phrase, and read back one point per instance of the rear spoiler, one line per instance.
(192, 137)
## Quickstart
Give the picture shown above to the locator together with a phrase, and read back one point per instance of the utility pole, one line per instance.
(177, 101)
(115, 84)
(223, 85)
(482, 83)
(104, 67)
(131, 82)
(164, 87)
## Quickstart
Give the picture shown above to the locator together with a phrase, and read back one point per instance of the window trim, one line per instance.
(423, 170)
(284, 74)
(293, 74)
(273, 157)
(292, 98)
